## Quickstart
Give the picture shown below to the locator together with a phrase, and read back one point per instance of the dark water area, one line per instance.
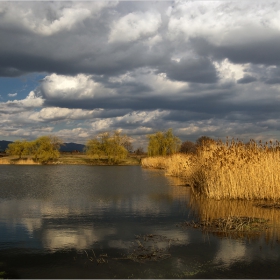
(122, 222)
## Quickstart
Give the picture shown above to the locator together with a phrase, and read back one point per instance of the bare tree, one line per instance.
(188, 147)
(139, 151)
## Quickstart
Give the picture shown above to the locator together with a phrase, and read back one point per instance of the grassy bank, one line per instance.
(228, 170)
(71, 159)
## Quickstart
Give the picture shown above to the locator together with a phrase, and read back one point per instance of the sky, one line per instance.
(77, 69)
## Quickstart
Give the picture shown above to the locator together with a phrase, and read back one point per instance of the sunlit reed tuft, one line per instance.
(229, 170)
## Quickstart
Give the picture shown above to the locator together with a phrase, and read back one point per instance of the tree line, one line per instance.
(113, 146)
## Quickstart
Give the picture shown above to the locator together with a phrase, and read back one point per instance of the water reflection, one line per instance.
(209, 209)
(68, 210)
(78, 238)
(230, 252)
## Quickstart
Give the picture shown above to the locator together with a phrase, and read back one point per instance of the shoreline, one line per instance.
(72, 160)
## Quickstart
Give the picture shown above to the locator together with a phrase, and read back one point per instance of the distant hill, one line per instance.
(4, 145)
(68, 147)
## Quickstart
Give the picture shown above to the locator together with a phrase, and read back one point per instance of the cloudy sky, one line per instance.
(75, 69)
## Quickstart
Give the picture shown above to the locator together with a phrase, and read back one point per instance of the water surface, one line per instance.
(91, 221)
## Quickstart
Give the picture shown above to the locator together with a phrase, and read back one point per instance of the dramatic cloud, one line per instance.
(73, 88)
(199, 67)
(133, 26)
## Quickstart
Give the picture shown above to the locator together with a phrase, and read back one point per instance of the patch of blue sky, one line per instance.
(12, 88)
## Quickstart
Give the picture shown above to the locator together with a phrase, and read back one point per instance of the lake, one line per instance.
(122, 222)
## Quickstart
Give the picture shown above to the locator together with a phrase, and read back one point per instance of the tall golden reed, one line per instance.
(154, 162)
(229, 170)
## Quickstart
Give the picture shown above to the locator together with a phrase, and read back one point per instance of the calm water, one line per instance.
(103, 222)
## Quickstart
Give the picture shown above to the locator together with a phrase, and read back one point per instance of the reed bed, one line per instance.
(154, 162)
(26, 161)
(230, 170)
(4, 161)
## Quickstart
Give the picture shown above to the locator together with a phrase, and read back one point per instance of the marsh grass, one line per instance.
(13, 160)
(231, 224)
(230, 170)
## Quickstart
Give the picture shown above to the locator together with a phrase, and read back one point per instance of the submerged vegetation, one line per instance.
(231, 224)
(230, 170)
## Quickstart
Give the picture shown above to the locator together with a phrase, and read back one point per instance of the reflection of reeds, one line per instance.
(229, 170)
(210, 210)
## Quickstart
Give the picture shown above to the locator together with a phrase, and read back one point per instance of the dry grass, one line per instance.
(4, 161)
(154, 162)
(12, 160)
(229, 170)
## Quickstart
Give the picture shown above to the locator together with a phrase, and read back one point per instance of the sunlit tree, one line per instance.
(43, 149)
(163, 143)
(108, 145)
(18, 148)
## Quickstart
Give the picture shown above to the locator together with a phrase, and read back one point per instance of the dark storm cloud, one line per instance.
(83, 49)
(183, 107)
(10, 72)
(194, 70)
(217, 74)
(272, 75)
(107, 60)
(246, 80)
(244, 51)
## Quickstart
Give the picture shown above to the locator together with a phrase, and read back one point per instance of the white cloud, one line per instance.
(12, 94)
(59, 16)
(134, 118)
(217, 20)
(134, 26)
(76, 87)
(159, 83)
(31, 101)
(56, 113)
(81, 134)
(230, 71)
(142, 116)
